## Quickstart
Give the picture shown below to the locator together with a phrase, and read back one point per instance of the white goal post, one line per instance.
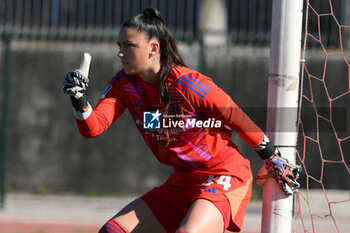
(282, 115)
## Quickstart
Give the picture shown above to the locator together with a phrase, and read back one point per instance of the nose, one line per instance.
(120, 53)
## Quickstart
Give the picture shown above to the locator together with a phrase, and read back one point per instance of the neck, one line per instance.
(151, 75)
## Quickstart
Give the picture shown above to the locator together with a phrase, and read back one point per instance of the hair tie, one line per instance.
(153, 13)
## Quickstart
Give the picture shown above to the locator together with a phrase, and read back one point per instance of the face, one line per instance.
(138, 54)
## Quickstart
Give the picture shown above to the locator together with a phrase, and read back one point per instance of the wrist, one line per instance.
(267, 152)
(265, 149)
(83, 115)
(79, 104)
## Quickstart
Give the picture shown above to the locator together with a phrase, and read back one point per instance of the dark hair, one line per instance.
(151, 22)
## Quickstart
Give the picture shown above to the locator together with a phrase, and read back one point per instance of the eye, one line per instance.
(126, 45)
(131, 45)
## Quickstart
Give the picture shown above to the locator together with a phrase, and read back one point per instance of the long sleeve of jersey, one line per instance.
(94, 122)
(208, 98)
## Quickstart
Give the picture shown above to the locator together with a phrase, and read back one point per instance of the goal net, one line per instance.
(323, 147)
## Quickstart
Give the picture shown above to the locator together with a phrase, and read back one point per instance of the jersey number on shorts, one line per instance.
(223, 180)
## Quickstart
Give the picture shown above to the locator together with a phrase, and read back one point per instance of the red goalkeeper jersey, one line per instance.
(195, 131)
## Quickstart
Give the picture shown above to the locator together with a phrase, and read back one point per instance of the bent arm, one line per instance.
(94, 122)
(217, 104)
(220, 105)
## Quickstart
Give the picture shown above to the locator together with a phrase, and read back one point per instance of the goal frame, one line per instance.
(282, 114)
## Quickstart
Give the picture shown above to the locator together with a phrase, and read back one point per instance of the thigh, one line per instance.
(203, 217)
(136, 217)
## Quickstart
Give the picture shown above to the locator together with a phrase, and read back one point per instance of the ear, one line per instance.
(154, 48)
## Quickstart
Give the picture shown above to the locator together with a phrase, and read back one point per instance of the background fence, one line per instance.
(248, 21)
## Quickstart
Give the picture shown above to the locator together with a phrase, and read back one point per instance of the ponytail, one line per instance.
(151, 22)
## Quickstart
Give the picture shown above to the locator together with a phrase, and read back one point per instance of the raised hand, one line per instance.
(75, 84)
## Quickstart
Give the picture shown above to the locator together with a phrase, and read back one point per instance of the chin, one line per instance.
(129, 71)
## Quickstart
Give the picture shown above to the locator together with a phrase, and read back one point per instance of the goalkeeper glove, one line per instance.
(285, 173)
(275, 166)
(75, 85)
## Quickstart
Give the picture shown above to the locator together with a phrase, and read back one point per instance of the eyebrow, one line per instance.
(125, 42)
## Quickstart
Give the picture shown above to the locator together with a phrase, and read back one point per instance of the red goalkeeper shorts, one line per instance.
(230, 194)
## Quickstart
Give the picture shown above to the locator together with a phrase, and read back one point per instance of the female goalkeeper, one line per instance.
(186, 121)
